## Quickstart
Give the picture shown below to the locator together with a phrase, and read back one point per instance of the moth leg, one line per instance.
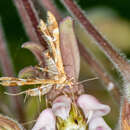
(41, 90)
(15, 94)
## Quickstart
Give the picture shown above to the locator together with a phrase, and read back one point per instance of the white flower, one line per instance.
(91, 107)
(46, 121)
(61, 107)
(98, 123)
(93, 111)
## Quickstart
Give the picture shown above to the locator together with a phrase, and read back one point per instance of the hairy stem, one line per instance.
(31, 21)
(26, 21)
(49, 5)
(114, 56)
(101, 73)
(120, 63)
(34, 19)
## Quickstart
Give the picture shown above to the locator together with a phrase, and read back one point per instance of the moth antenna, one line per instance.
(87, 80)
(15, 94)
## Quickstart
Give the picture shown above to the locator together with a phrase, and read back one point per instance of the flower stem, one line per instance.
(7, 67)
(26, 21)
(49, 5)
(33, 17)
(112, 54)
(119, 62)
(110, 85)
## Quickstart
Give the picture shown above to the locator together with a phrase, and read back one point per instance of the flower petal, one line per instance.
(89, 103)
(61, 107)
(69, 48)
(98, 124)
(36, 49)
(46, 121)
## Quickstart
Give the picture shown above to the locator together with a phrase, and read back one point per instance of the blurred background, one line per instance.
(111, 18)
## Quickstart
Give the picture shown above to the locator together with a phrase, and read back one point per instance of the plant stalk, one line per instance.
(7, 67)
(120, 63)
(33, 17)
(105, 78)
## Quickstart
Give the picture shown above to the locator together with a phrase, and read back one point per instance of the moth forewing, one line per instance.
(49, 62)
(48, 38)
(11, 81)
(53, 28)
(54, 31)
(56, 53)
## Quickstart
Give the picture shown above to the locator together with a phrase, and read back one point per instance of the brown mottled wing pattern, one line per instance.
(54, 31)
(48, 38)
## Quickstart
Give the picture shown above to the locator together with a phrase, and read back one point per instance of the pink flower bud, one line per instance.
(98, 124)
(61, 107)
(46, 121)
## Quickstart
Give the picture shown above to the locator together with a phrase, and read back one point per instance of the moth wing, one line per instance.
(53, 28)
(12, 82)
(49, 39)
(42, 90)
